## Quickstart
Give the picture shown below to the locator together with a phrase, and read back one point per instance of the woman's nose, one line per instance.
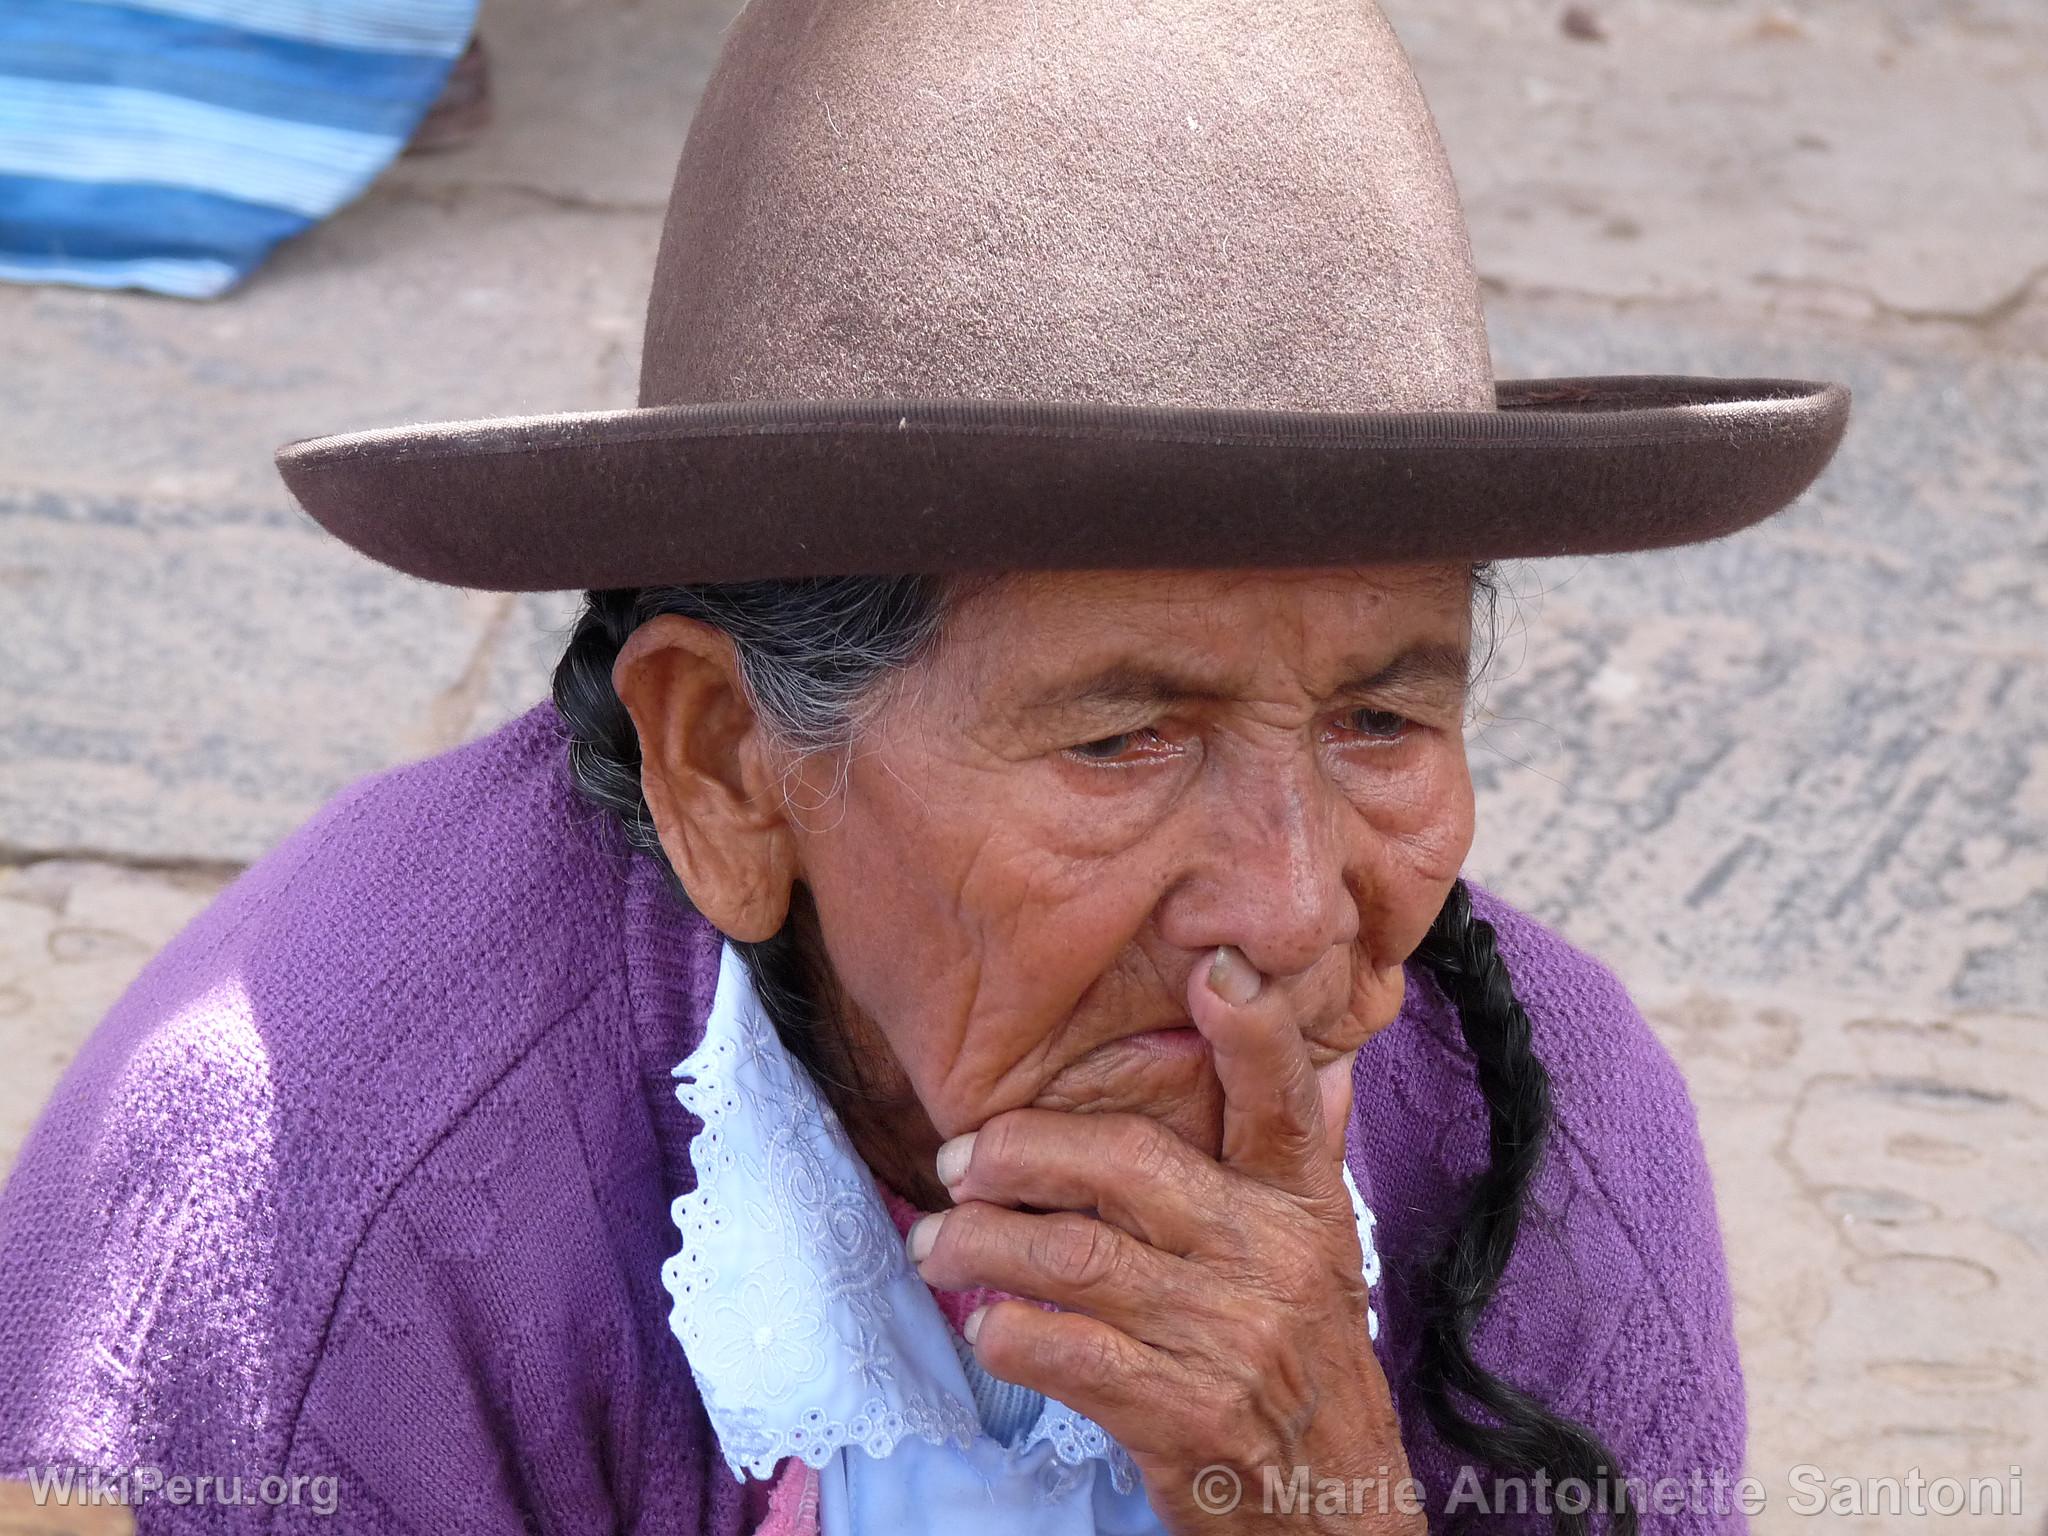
(1273, 874)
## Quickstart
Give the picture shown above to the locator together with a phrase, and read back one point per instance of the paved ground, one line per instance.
(1794, 785)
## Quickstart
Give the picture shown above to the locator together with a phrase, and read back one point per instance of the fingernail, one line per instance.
(1232, 977)
(954, 1157)
(972, 1326)
(923, 1233)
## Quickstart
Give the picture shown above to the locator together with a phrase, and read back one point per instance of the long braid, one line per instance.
(604, 745)
(1457, 1285)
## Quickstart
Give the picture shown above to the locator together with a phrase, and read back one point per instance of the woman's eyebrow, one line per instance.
(1427, 667)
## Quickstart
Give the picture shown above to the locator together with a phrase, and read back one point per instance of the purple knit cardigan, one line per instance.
(367, 1177)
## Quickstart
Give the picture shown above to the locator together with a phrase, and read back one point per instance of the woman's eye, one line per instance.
(1379, 724)
(1107, 749)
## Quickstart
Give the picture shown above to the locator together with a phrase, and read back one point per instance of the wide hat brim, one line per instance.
(735, 491)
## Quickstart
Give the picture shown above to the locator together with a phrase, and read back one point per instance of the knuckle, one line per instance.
(979, 1236)
(1087, 1358)
(1097, 1362)
(999, 1145)
(1076, 1250)
(1146, 1148)
(958, 1241)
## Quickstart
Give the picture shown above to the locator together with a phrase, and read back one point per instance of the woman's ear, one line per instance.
(710, 776)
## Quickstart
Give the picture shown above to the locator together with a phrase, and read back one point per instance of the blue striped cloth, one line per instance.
(169, 144)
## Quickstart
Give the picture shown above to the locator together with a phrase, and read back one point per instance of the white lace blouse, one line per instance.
(810, 1334)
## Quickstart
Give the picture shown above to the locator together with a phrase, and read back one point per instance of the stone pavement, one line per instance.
(1793, 786)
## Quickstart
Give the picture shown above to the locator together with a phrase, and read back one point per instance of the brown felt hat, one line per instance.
(1065, 283)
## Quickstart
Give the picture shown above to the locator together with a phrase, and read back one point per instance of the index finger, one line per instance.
(1273, 1127)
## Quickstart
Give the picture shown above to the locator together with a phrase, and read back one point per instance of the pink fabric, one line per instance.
(792, 1501)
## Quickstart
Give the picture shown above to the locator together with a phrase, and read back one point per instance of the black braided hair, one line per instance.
(1524, 1437)
(890, 621)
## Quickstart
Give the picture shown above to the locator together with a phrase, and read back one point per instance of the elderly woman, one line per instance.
(962, 1011)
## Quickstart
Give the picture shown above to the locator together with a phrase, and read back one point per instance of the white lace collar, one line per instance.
(802, 1320)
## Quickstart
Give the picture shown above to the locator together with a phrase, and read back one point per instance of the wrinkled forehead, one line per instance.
(1045, 638)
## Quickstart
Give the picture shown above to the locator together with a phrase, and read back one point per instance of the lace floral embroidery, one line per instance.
(1075, 1439)
(790, 1290)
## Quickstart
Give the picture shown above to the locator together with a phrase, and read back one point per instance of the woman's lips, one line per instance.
(1185, 1042)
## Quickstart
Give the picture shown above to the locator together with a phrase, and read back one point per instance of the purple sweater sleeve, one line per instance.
(1615, 1309)
(480, 1347)
(362, 1186)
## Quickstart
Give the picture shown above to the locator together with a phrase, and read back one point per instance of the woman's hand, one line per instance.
(1214, 1314)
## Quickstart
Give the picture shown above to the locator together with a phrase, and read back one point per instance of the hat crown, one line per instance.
(1230, 203)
